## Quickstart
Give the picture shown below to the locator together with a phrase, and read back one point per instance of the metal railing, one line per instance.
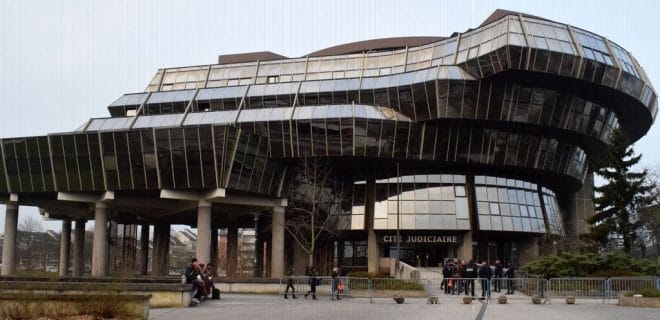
(512, 288)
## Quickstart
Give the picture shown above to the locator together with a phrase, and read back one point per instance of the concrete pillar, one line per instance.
(214, 248)
(204, 232)
(528, 250)
(372, 241)
(65, 246)
(277, 243)
(9, 242)
(232, 250)
(100, 244)
(257, 248)
(144, 249)
(160, 256)
(79, 248)
(464, 247)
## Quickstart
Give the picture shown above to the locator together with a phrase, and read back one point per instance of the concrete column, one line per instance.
(100, 244)
(65, 246)
(528, 250)
(464, 249)
(277, 244)
(160, 256)
(232, 250)
(204, 232)
(144, 249)
(79, 248)
(372, 241)
(257, 248)
(9, 242)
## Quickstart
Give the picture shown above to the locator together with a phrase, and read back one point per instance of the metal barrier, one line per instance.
(589, 288)
(618, 286)
(356, 287)
(512, 288)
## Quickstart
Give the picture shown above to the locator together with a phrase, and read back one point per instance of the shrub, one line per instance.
(365, 274)
(567, 264)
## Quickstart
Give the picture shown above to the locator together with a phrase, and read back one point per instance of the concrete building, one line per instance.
(472, 146)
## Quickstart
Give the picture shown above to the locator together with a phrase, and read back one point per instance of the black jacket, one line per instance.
(485, 272)
(470, 271)
(499, 270)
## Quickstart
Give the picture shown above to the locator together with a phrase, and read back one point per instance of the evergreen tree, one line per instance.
(618, 201)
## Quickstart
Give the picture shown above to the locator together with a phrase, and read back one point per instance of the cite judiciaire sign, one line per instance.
(421, 239)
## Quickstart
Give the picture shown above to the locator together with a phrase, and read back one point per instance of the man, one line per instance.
(510, 274)
(313, 282)
(485, 273)
(499, 272)
(193, 276)
(289, 284)
(446, 274)
(470, 274)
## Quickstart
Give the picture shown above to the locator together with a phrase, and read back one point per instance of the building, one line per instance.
(479, 142)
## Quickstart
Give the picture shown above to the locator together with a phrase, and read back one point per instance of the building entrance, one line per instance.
(421, 255)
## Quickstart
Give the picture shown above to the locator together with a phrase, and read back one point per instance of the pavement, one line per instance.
(261, 307)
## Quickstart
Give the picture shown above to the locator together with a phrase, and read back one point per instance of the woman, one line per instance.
(335, 283)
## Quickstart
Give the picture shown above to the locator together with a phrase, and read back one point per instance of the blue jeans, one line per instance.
(485, 287)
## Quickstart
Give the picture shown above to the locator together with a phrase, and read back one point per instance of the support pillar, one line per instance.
(204, 232)
(257, 248)
(9, 242)
(65, 246)
(144, 249)
(79, 248)
(464, 249)
(160, 256)
(100, 244)
(277, 244)
(232, 250)
(528, 250)
(372, 241)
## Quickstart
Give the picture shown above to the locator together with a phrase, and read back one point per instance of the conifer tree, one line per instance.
(618, 201)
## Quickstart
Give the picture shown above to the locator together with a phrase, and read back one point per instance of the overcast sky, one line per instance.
(62, 62)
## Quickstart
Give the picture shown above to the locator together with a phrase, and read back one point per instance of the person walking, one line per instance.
(335, 283)
(485, 273)
(313, 282)
(289, 284)
(499, 272)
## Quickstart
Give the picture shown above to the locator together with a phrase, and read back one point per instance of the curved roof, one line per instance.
(375, 45)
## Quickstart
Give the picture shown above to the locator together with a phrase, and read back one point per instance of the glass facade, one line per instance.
(516, 97)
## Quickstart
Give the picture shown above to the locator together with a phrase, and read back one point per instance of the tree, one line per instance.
(30, 227)
(618, 201)
(313, 203)
(649, 217)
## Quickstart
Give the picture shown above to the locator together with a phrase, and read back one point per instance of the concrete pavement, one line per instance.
(260, 307)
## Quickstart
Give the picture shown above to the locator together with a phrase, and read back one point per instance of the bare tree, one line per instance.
(29, 227)
(313, 203)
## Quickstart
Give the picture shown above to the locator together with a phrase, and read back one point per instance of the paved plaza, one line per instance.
(261, 307)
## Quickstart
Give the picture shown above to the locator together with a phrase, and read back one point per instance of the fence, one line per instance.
(513, 288)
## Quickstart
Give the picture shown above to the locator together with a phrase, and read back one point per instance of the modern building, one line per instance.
(479, 142)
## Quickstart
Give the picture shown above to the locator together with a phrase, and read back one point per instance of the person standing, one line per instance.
(510, 274)
(485, 273)
(457, 274)
(313, 282)
(446, 274)
(499, 272)
(335, 283)
(289, 284)
(470, 274)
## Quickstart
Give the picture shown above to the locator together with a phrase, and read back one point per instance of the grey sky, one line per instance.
(62, 62)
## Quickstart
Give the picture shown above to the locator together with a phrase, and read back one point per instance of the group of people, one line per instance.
(201, 277)
(459, 277)
(314, 280)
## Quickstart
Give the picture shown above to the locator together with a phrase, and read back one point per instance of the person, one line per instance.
(313, 282)
(446, 274)
(289, 284)
(470, 274)
(510, 274)
(193, 276)
(499, 272)
(208, 273)
(485, 273)
(335, 283)
(457, 282)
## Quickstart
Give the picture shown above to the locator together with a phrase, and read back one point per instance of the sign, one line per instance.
(421, 239)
